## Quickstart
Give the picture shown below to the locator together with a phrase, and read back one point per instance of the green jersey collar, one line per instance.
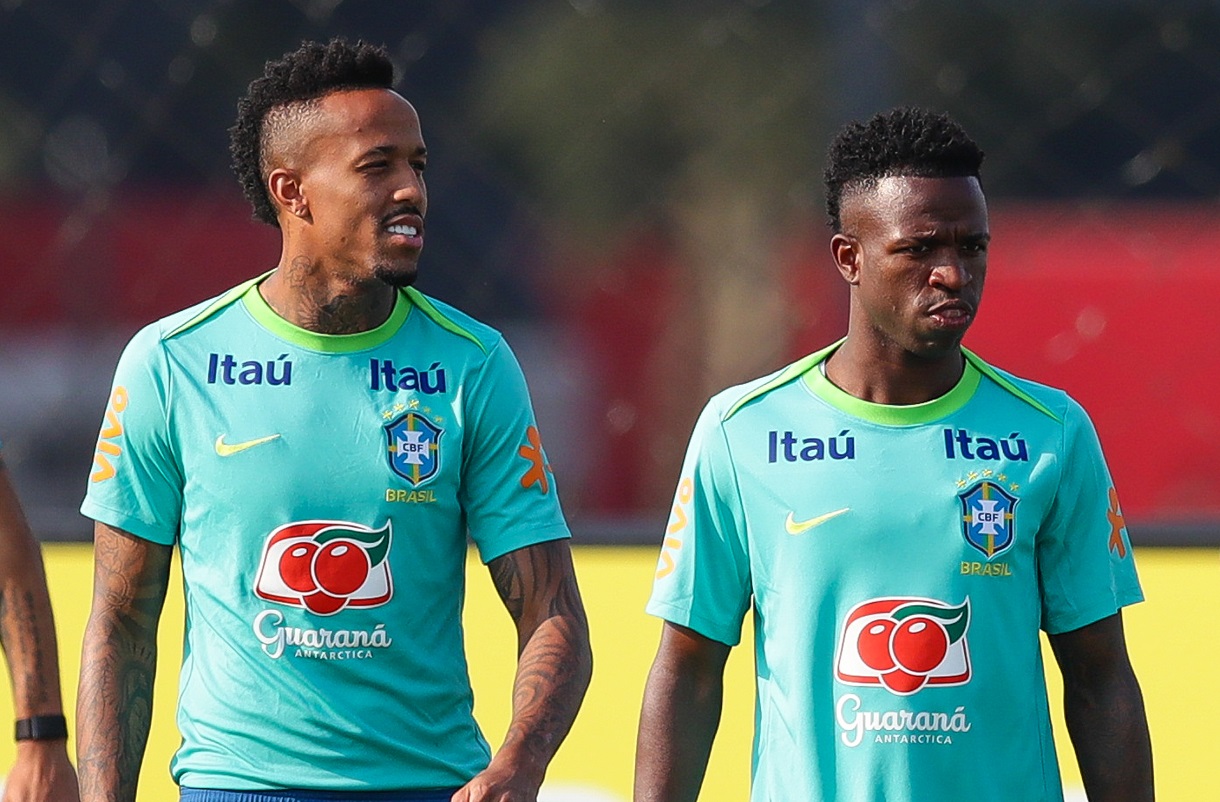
(895, 415)
(259, 309)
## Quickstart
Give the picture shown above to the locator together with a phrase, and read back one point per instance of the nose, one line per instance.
(412, 190)
(950, 274)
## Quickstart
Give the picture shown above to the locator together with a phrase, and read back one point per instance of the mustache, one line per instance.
(400, 210)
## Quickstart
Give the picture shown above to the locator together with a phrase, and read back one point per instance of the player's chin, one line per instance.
(396, 274)
(939, 342)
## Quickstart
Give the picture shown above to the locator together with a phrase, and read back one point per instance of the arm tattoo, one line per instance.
(554, 663)
(27, 629)
(114, 705)
(21, 632)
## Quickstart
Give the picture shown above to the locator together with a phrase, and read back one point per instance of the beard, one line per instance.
(398, 277)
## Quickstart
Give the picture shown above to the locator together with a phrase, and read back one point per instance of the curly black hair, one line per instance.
(282, 96)
(903, 141)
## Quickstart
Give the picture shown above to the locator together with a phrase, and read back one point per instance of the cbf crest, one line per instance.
(989, 518)
(415, 447)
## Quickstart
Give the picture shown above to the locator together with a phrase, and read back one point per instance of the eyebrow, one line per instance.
(929, 233)
(388, 150)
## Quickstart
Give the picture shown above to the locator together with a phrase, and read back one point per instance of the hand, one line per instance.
(42, 773)
(500, 782)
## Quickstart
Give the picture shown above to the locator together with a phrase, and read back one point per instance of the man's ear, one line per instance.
(284, 187)
(848, 255)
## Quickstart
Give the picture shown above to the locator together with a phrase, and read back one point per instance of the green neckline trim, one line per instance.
(265, 316)
(439, 318)
(897, 415)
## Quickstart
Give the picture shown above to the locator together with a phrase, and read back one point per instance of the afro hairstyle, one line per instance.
(900, 142)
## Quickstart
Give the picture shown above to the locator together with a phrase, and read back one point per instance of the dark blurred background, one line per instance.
(631, 191)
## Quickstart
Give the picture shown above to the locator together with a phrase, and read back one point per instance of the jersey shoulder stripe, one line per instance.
(1023, 389)
(200, 312)
(781, 377)
(451, 319)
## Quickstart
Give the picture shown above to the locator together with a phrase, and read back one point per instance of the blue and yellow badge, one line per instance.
(415, 447)
(989, 518)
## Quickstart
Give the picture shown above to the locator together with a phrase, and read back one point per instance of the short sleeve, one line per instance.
(703, 574)
(136, 481)
(1085, 566)
(508, 491)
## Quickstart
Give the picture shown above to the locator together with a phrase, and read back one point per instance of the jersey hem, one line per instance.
(203, 781)
(544, 534)
(1092, 615)
(684, 618)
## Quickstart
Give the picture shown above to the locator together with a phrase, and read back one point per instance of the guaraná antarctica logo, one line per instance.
(325, 566)
(904, 644)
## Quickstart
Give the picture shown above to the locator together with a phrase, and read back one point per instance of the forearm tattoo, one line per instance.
(554, 664)
(23, 627)
(114, 706)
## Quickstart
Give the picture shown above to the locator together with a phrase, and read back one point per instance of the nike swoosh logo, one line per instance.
(796, 527)
(229, 449)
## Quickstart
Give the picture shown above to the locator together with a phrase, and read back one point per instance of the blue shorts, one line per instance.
(306, 795)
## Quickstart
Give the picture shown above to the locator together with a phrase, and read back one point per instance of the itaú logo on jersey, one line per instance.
(325, 566)
(904, 644)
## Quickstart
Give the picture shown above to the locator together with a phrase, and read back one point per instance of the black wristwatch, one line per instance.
(42, 728)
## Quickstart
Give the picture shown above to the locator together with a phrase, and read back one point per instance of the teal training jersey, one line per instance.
(320, 489)
(900, 562)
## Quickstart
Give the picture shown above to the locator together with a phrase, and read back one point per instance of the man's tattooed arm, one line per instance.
(27, 629)
(554, 664)
(119, 660)
(41, 770)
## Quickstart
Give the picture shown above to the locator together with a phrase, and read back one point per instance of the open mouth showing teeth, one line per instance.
(409, 231)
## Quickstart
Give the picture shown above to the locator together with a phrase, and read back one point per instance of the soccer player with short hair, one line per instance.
(42, 771)
(903, 518)
(319, 442)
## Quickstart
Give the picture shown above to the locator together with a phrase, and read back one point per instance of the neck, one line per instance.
(307, 295)
(895, 377)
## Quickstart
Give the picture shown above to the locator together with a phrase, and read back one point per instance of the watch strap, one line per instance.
(41, 728)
